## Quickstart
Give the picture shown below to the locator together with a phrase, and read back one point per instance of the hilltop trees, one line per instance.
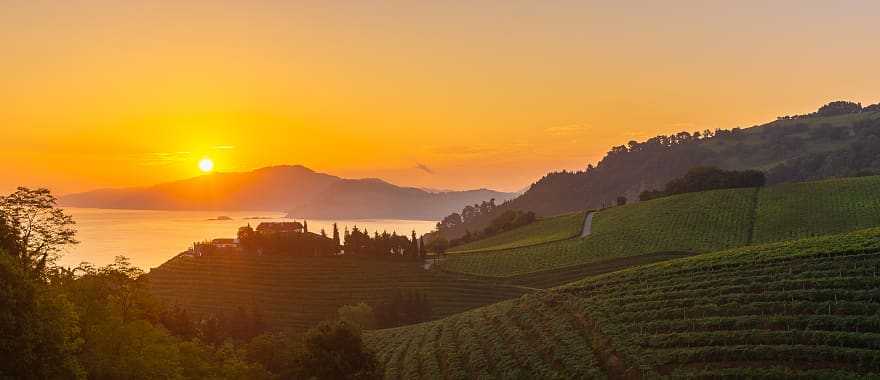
(468, 215)
(33, 230)
(839, 108)
(707, 178)
(506, 221)
(359, 242)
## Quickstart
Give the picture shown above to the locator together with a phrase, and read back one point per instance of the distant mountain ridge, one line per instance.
(300, 191)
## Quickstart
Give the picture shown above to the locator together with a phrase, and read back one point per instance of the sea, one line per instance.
(148, 238)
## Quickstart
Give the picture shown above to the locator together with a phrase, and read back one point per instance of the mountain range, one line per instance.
(297, 190)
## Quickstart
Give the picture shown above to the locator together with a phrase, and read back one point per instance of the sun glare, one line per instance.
(206, 165)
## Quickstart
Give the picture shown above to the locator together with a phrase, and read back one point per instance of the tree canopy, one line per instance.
(34, 231)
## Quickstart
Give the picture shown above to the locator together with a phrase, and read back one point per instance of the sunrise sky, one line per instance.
(445, 95)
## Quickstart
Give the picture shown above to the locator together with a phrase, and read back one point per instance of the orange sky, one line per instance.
(482, 94)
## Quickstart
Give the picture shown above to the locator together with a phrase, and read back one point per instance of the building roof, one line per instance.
(280, 227)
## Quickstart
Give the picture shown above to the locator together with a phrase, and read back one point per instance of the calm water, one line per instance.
(149, 238)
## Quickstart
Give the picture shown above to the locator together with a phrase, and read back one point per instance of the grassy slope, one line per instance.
(797, 210)
(688, 222)
(298, 292)
(804, 308)
(696, 222)
(542, 231)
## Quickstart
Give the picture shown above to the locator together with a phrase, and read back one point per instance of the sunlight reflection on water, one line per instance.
(149, 238)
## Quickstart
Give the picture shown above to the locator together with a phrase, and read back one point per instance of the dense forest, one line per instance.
(840, 139)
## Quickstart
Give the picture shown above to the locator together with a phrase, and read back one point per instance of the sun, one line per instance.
(206, 165)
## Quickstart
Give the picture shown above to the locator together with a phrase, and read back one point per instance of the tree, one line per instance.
(621, 200)
(38, 328)
(8, 236)
(707, 178)
(439, 245)
(414, 246)
(41, 230)
(360, 316)
(839, 108)
(336, 237)
(422, 248)
(335, 350)
(305, 226)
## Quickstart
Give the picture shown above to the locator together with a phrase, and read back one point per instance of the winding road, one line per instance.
(588, 224)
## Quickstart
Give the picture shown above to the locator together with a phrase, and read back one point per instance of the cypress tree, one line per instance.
(336, 237)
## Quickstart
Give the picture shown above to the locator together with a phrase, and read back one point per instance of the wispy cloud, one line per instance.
(224, 147)
(464, 150)
(164, 158)
(565, 129)
(684, 125)
(424, 168)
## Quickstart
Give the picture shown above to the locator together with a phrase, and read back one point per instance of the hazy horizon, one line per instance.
(105, 94)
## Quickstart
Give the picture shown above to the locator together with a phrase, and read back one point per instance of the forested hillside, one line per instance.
(840, 139)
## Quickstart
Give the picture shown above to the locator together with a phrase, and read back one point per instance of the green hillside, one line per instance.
(695, 222)
(542, 231)
(797, 210)
(688, 222)
(806, 308)
(298, 292)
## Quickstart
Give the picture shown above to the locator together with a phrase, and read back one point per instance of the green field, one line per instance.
(806, 308)
(545, 230)
(796, 210)
(695, 222)
(298, 292)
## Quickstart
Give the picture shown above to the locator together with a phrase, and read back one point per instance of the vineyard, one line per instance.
(805, 209)
(808, 308)
(527, 338)
(697, 222)
(297, 292)
(542, 231)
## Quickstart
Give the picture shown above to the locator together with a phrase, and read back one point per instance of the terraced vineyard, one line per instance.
(689, 222)
(542, 231)
(527, 338)
(805, 209)
(299, 292)
(807, 308)
(695, 222)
